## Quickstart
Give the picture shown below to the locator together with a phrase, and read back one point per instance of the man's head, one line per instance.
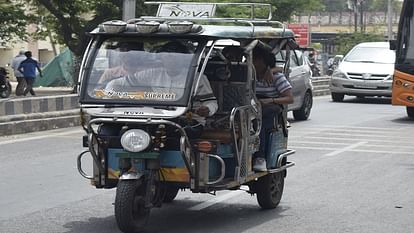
(233, 53)
(263, 59)
(21, 52)
(173, 55)
(28, 54)
(174, 47)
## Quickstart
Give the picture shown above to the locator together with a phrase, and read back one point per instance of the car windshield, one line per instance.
(140, 70)
(371, 55)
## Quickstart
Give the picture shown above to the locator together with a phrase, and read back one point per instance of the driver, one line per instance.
(130, 62)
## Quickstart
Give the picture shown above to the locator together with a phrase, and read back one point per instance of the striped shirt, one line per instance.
(278, 86)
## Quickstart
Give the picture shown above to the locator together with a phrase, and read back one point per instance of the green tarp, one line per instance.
(58, 72)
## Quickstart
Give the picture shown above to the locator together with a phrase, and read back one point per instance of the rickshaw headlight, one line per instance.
(135, 140)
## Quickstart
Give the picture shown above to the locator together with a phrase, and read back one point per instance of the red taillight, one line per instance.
(204, 146)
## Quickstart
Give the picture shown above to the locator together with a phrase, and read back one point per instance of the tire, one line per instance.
(269, 190)
(130, 212)
(305, 110)
(410, 112)
(337, 97)
(170, 194)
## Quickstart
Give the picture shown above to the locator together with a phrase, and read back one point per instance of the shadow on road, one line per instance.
(176, 218)
(368, 100)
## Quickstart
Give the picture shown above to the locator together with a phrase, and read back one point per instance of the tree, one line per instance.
(345, 42)
(12, 21)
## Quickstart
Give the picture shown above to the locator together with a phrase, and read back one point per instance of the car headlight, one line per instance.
(135, 140)
(338, 74)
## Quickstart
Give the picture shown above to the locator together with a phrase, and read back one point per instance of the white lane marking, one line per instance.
(354, 150)
(364, 135)
(347, 148)
(313, 142)
(392, 144)
(49, 135)
(361, 131)
(218, 199)
(357, 127)
(351, 139)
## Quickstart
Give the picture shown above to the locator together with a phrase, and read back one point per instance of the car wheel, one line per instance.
(410, 112)
(305, 110)
(337, 97)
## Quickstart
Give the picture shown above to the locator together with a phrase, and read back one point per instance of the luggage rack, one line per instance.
(183, 15)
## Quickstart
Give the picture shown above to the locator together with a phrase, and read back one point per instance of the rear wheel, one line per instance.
(269, 190)
(170, 194)
(410, 112)
(304, 111)
(337, 97)
(130, 211)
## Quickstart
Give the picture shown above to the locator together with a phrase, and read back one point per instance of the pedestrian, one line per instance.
(21, 82)
(28, 68)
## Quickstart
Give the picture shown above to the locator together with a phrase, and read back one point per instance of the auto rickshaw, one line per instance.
(139, 126)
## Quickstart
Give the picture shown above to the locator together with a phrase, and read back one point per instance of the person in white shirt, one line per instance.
(21, 81)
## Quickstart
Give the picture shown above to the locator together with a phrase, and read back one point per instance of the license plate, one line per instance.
(365, 85)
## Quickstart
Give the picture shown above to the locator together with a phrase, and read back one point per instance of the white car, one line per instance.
(367, 70)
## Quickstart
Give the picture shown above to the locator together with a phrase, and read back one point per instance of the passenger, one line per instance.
(204, 103)
(233, 53)
(273, 90)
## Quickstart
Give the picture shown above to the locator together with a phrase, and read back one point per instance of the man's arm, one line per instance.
(20, 68)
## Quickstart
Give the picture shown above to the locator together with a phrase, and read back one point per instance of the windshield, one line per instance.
(405, 47)
(371, 55)
(139, 70)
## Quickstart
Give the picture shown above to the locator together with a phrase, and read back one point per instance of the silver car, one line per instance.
(300, 78)
(367, 70)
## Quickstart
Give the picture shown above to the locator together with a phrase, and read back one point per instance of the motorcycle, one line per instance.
(5, 86)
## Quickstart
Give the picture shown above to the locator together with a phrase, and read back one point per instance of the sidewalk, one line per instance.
(42, 91)
(51, 108)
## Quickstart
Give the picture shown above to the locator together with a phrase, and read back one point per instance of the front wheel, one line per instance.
(130, 211)
(269, 190)
(410, 112)
(337, 97)
(305, 110)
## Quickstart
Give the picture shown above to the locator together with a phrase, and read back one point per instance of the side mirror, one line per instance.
(393, 44)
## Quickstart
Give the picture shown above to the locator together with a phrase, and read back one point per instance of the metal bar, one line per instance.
(145, 121)
(223, 169)
(284, 155)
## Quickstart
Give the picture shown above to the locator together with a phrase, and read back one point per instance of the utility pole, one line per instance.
(361, 17)
(355, 16)
(128, 9)
(390, 20)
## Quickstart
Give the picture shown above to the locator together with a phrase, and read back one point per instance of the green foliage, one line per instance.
(12, 21)
(345, 42)
(71, 20)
